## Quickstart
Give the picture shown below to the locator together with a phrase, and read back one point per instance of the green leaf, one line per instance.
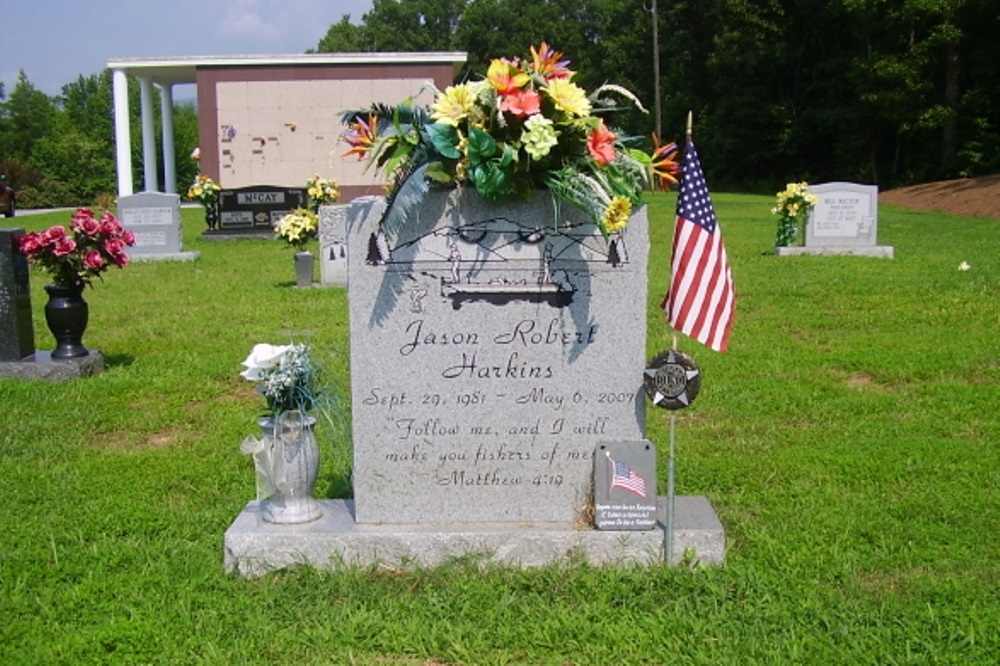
(398, 155)
(444, 138)
(482, 146)
(436, 171)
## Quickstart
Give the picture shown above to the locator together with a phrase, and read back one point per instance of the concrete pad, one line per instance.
(881, 251)
(254, 548)
(167, 256)
(41, 365)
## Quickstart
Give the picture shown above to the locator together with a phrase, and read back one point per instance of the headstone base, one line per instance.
(254, 548)
(166, 256)
(41, 366)
(882, 251)
(230, 234)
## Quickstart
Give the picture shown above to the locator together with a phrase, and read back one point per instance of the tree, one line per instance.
(27, 115)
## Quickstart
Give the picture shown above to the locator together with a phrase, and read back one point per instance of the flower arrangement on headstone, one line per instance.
(525, 126)
(73, 257)
(286, 456)
(297, 229)
(205, 191)
(321, 192)
(792, 208)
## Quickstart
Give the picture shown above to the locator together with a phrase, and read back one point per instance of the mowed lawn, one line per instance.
(848, 441)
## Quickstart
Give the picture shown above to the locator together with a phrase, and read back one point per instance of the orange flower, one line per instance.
(546, 63)
(521, 103)
(361, 136)
(601, 145)
(506, 77)
(663, 164)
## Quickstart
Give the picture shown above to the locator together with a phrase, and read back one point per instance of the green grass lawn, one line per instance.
(848, 441)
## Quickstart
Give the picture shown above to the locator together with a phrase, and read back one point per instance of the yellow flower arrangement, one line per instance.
(297, 228)
(204, 190)
(321, 192)
(793, 202)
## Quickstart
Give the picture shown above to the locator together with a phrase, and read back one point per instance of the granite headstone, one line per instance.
(17, 335)
(258, 208)
(155, 220)
(333, 245)
(492, 349)
(844, 221)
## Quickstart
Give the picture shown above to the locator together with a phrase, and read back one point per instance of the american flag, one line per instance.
(623, 477)
(700, 301)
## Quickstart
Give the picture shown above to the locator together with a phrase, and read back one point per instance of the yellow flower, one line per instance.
(453, 105)
(616, 215)
(569, 97)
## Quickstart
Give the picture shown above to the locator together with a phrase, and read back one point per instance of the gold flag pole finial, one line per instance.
(690, 121)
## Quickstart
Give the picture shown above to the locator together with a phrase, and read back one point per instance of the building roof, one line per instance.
(181, 69)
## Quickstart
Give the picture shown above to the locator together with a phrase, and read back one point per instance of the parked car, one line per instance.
(7, 198)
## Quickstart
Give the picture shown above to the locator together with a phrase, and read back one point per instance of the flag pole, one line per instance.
(668, 545)
(668, 538)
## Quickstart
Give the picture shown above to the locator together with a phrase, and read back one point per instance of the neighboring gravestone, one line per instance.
(844, 221)
(18, 357)
(492, 350)
(17, 334)
(155, 220)
(255, 210)
(333, 245)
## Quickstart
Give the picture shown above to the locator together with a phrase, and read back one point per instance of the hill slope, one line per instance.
(976, 197)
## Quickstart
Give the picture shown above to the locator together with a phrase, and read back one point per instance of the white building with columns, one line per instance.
(268, 120)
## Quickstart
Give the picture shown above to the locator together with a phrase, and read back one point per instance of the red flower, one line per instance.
(53, 234)
(110, 226)
(29, 243)
(83, 222)
(93, 260)
(63, 246)
(114, 247)
(601, 145)
(128, 237)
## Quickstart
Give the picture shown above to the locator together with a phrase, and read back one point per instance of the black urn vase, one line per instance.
(66, 314)
(212, 216)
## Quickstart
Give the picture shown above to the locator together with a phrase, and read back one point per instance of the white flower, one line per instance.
(262, 357)
(964, 266)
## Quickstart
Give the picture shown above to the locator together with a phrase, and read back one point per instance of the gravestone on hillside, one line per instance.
(17, 334)
(494, 351)
(333, 245)
(155, 220)
(844, 221)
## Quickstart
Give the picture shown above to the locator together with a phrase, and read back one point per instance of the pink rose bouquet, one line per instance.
(79, 254)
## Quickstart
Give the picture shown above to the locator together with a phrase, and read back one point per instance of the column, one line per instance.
(123, 143)
(148, 136)
(169, 158)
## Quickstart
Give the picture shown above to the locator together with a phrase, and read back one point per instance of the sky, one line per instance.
(56, 41)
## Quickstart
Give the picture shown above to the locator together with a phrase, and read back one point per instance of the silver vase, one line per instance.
(304, 269)
(290, 462)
